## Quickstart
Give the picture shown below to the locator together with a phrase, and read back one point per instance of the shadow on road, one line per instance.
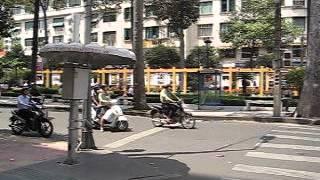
(263, 139)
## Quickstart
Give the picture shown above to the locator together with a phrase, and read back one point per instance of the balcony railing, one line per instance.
(299, 3)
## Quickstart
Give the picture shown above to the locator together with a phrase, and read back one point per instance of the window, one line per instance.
(224, 27)
(110, 17)
(58, 22)
(296, 51)
(16, 10)
(205, 30)
(246, 52)
(206, 7)
(73, 3)
(300, 3)
(109, 38)
(28, 42)
(227, 5)
(28, 25)
(152, 32)
(283, 2)
(41, 41)
(127, 13)
(300, 22)
(127, 34)
(58, 39)
(16, 41)
(41, 24)
(149, 12)
(227, 53)
(94, 37)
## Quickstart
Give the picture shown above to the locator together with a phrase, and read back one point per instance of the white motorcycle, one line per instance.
(113, 118)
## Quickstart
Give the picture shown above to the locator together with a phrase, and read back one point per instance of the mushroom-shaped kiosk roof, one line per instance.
(92, 54)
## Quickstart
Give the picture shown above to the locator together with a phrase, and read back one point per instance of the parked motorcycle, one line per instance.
(113, 118)
(40, 122)
(159, 118)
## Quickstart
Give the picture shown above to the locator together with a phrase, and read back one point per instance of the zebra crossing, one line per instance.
(278, 150)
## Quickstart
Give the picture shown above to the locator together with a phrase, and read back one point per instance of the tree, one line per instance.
(162, 57)
(264, 60)
(6, 22)
(179, 15)
(245, 79)
(253, 26)
(139, 90)
(204, 56)
(310, 100)
(295, 78)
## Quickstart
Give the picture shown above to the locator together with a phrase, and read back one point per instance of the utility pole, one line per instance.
(34, 56)
(277, 105)
(87, 141)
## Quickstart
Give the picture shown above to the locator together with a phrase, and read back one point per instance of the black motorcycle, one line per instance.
(40, 121)
(159, 116)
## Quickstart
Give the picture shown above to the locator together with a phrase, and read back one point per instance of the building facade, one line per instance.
(113, 29)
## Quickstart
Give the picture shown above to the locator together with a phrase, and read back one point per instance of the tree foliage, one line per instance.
(264, 60)
(179, 15)
(295, 78)
(207, 57)
(253, 26)
(162, 57)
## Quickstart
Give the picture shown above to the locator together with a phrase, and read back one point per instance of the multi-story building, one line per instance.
(113, 29)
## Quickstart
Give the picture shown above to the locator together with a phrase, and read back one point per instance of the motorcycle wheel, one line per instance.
(17, 127)
(188, 122)
(156, 119)
(46, 129)
(122, 125)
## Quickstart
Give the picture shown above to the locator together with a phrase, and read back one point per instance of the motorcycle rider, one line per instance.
(104, 100)
(25, 106)
(168, 100)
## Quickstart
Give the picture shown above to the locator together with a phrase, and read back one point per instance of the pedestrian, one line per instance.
(130, 91)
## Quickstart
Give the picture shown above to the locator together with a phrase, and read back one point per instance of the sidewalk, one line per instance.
(32, 158)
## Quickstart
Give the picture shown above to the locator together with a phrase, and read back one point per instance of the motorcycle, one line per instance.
(113, 118)
(40, 121)
(159, 118)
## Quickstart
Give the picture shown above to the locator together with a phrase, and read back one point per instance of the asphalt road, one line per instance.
(214, 150)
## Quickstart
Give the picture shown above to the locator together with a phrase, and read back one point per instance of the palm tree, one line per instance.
(245, 80)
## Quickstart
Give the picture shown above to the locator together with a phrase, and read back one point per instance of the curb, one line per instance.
(266, 119)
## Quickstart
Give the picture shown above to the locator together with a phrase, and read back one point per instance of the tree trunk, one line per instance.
(310, 98)
(35, 42)
(181, 49)
(46, 37)
(137, 42)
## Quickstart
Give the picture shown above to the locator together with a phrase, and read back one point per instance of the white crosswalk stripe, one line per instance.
(300, 127)
(296, 132)
(277, 171)
(294, 137)
(290, 146)
(283, 157)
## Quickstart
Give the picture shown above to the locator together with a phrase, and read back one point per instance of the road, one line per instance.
(215, 149)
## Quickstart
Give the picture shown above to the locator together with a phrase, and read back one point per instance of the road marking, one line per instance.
(277, 171)
(283, 157)
(296, 132)
(289, 146)
(134, 137)
(299, 127)
(294, 137)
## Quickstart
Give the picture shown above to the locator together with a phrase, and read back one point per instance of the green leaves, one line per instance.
(162, 57)
(206, 57)
(254, 25)
(180, 14)
(295, 78)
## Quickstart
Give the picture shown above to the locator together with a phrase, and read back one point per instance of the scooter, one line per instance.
(113, 118)
(40, 122)
(159, 118)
